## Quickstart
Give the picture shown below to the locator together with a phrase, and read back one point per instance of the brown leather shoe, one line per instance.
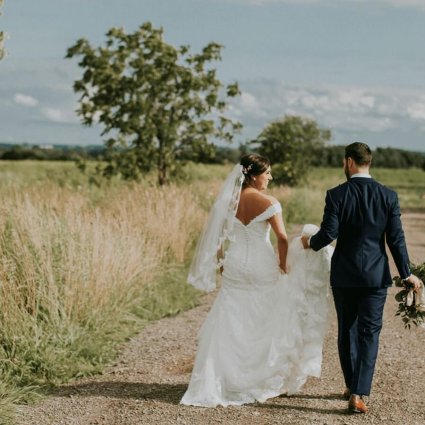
(356, 404)
(346, 394)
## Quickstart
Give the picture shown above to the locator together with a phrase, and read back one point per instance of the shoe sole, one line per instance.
(351, 410)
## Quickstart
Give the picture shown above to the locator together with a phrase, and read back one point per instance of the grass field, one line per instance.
(83, 267)
(305, 204)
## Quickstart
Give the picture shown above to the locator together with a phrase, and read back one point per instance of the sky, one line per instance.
(357, 67)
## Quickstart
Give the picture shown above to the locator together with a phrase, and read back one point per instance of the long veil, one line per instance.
(218, 229)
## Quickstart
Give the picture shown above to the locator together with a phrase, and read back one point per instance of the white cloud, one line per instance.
(57, 115)
(53, 114)
(342, 109)
(356, 98)
(248, 101)
(248, 106)
(416, 111)
(25, 100)
(351, 100)
(361, 123)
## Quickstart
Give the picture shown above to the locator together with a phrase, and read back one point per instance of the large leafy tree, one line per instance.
(154, 100)
(291, 144)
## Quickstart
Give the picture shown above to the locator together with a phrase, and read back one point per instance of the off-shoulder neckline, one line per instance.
(274, 205)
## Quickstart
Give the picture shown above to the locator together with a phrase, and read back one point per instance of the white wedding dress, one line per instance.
(264, 333)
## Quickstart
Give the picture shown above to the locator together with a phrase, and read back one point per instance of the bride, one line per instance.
(264, 333)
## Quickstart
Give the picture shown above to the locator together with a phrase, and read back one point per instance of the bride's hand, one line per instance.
(284, 269)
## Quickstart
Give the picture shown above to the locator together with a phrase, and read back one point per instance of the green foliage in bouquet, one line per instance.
(414, 313)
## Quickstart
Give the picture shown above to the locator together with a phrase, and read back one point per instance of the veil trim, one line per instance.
(217, 230)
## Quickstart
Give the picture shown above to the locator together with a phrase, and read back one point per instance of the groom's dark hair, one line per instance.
(359, 152)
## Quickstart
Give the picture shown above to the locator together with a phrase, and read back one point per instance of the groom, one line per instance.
(363, 214)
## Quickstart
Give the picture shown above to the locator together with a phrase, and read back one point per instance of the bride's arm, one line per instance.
(282, 239)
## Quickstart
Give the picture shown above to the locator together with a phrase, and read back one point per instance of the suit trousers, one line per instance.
(359, 312)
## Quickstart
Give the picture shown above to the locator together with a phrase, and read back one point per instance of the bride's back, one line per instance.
(251, 205)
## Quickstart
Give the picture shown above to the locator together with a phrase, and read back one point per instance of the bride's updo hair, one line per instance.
(253, 165)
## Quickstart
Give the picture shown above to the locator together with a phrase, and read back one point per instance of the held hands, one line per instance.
(304, 241)
(413, 282)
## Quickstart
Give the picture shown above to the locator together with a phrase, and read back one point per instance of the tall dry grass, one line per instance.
(74, 269)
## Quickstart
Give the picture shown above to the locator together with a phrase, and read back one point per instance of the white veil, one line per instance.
(219, 227)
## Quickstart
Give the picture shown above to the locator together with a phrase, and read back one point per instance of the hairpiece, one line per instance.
(246, 170)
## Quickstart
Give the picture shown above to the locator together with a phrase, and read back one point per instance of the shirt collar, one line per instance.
(363, 175)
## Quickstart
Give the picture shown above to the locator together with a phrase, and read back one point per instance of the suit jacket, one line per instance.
(362, 214)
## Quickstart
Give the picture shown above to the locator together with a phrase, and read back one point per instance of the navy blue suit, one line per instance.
(362, 215)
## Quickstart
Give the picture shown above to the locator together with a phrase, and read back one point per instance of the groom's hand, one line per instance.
(413, 282)
(304, 241)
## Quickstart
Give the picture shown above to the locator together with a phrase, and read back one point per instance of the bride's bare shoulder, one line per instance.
(261, 200)
(272, 200)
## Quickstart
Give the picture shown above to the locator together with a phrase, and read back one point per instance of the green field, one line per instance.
(83, 267)
(409, 184)
(305, 204)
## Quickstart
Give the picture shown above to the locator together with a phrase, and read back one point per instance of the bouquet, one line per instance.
(411, 307)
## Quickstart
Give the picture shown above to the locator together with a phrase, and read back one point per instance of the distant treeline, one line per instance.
(329, 156)
(50, 152)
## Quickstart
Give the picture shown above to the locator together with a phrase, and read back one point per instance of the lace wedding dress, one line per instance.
(264, 333)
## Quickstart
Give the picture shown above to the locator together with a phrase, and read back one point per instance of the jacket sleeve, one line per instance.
(395, 239)
(329, 227)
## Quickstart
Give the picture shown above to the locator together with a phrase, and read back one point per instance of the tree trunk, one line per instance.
(162, 157)
(162, 175)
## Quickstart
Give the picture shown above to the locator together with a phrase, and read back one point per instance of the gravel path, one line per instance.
(145, 384)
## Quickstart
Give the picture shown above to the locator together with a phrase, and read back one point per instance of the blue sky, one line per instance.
(355, 66)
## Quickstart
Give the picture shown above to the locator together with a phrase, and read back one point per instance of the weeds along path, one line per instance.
(145, 384)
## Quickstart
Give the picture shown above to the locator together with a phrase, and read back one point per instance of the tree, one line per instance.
(291, 143)
(157, 100)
